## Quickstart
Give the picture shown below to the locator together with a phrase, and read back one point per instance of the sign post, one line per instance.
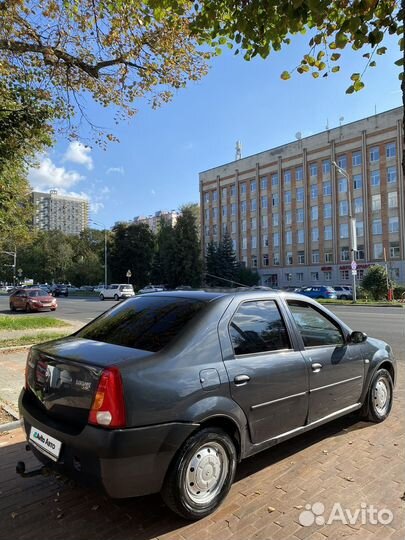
(129, 274)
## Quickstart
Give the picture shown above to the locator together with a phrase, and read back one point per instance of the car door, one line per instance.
(111, 291)
(19, 299)
(267, 373)
(336, 367)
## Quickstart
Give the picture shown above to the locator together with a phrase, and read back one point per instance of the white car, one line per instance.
(344, 292)
(151, 288)
(117, 291)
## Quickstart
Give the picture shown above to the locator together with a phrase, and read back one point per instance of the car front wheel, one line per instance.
(101, 296)
(201, 474)
(380, 396)
(116, 297)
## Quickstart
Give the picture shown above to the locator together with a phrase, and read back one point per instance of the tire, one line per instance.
(53, 308)
(344, 297)
(12, 308)
(379, 396)
(27, 308)
(101, 296)
(211, 452)
(116, 297)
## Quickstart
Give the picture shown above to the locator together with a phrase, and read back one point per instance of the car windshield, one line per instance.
(143, 323)
(37, 293)
(127, 287)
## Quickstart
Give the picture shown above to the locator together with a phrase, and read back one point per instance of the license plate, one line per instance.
(45, 443)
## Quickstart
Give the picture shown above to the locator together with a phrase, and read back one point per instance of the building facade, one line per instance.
(287, 209)
(59, 212)
(154, 220)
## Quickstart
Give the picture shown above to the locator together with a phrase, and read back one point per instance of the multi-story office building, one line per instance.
(154, 220)
(59, 212)
(287, 209)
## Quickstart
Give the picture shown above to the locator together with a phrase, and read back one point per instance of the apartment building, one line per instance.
(154, 220)
(287, 209)
(59, 212)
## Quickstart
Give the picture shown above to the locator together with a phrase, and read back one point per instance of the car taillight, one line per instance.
(108, 409)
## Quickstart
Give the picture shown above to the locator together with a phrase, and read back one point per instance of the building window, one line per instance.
(274, 179)
(207, 214)
(244, 242)
(254, 261)
(327, 189)
(314, 213)
(344, 275)
(326, 166)
(359, 228)
(358, 205)
(343, 208)
(375, 178)
(313, 169)
(275, 220)
(390, 150)
(275, 200)
(243, 188)
(393, 224)
(301, 257)
(374, 154)
(207, 230)
(276, 258)
(300, 215)
(377, 226)
(276, 239)
(288, 237)
(356, 159)
(342, 162)
(315, 256)
(265, 238)
(224, 228)
(244, 227)
(315, 234)
(394, 274)
(233, 227)
(394, 250)
(264, 202)
(254, 242)
(327, 211)
(223, 193)
(243, 208)
(253, 223)
(265, 221)
(300, 236)
(378, 251)
(300, 194)
(215, 229)
(300, 276)
(327, 276)
(287, 178)
(224, 211)
(314, 191)
(215, 195)
(287, 197)
(392, 199)
(265, 260)
(357, 181)
(233, 190)
(289, 257)
(391, 175)
(253, 205)
(252, 186)
(234, 245)
(342, 185)
(328, 256)
(327, 232)
(263, 182)
(376, 202)
(344, 254)
(299, 175)
(288, 217)
(233, 209)
(314, 276)
(359, 255)
(344, 230)
(207, 197)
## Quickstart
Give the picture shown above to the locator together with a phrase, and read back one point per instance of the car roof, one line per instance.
(209, 295)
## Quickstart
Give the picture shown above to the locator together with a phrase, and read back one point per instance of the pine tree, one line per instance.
(187, 260)
(227, 260)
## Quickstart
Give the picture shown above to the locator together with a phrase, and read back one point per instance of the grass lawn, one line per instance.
(31, 339)
(371, 303)
(21, 322)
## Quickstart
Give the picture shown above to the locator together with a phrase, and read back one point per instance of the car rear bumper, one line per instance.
(126, 462)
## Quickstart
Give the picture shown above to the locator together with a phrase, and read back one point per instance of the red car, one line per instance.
(32, 300)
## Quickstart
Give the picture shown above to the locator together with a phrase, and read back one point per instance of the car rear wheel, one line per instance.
(101, 296)
(344, 297)
(201, 474)
(28, 308)
(12, 308)
(116, 297)
(380, 395)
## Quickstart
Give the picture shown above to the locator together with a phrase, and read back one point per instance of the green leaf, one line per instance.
(367, 55)
(358, 85)
(285, 75)
(315, 74)
(320, 55)
(335, 56)
(381, 50)
(321, 66)
(355, 77)
(335, 69)
(399, 62)
(350, 90)
(218, 51)
(373, 63)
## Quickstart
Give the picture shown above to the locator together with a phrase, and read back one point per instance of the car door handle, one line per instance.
(316, 367)
(240, 380)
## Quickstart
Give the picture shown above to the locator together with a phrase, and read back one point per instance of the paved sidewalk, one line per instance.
(12, 368)
(346, 462)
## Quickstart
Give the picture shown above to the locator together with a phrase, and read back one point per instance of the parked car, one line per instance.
(87, 288)
(60, 290)
(152, 288)
(344, 292)
(318, 292)
(117, 291)
(168, 392)
(32, 299)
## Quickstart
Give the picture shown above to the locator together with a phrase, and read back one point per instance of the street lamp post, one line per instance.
(352, 228)
(100, 224)
(14, 265)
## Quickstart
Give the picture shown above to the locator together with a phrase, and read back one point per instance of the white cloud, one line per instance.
(153, 192)
(96, 206)
(105, 190)
(79, 153)
(118, 170)
(47, 176)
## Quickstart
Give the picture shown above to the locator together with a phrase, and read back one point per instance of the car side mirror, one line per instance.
(357, 337)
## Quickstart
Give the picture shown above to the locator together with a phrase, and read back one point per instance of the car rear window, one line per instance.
(37, 292)
(147, 323)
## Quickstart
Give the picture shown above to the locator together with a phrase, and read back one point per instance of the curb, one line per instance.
(10, 426)
(16, 348)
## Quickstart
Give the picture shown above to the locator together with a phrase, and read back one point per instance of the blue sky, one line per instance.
(156, 163)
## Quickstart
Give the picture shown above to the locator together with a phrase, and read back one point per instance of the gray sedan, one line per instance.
(169, 391)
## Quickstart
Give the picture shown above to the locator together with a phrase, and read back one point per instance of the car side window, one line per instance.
(258, 327)
(316, 329)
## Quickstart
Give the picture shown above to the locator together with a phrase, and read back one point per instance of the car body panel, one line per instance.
(119, 290)
(32, 299)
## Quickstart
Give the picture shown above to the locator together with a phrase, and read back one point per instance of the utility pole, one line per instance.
(14, 265)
